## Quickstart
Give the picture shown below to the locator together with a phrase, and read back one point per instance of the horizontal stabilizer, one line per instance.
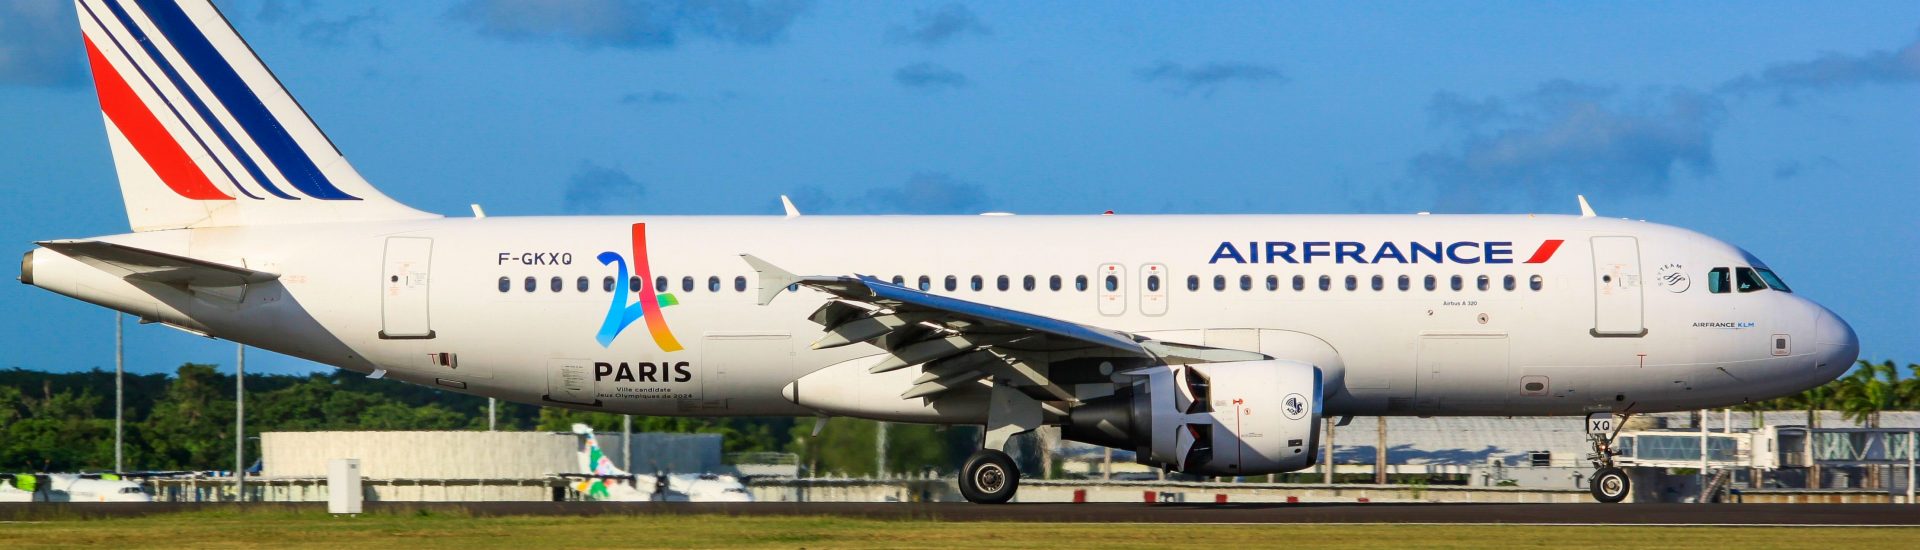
(146, 265)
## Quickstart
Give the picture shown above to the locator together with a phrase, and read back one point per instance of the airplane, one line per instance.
(72, 488)
(601, 480)
(1208, 344)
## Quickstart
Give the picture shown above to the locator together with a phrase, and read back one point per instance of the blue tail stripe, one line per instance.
(122, 48)
(240, 101)
(140, 37)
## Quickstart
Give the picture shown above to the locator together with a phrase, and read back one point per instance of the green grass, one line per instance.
(424, 530)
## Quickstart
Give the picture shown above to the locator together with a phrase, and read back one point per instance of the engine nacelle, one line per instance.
(1222, 419)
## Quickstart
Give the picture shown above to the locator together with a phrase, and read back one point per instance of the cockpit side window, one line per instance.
(1717, 280)
(1772, 280)
(1746, 280)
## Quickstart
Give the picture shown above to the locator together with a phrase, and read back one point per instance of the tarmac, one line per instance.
(1302, 513)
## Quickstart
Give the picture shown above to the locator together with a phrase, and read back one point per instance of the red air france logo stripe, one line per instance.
(1545, 252)
(149, 138)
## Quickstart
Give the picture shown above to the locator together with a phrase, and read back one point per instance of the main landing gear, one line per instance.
(1609, 483)
(989, 477)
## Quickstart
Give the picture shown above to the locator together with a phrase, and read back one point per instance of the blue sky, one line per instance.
(1791, 129)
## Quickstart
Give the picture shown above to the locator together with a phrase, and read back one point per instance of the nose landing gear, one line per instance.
(1610, 483)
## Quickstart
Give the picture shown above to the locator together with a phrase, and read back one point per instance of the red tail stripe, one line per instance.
(1546, 251)
(152, 140)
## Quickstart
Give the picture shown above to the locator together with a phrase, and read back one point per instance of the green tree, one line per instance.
(1868, 390)
(190, 426)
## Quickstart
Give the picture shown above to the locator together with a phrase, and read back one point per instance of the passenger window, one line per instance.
(976, 283)
(1483, 283)
(740, 284)
(1326, 283)
(1379, 283)
(1405, 283)
(926, 283)
(659, 284)
(531, 285)
(1430, 283)
(1507, 283)
(1353, 283)
(686, 284)
(1001, 282)
(1053, 283)
(506, 284)
(1535, 282)
(606, 284)
(1153, 283)
(953, 283)
(1246, 282)
(713, 284)
(1273, 283)
(899, 281)
(1026, 283)
(1193, 283)
(1113, 283)
(554, 284)
(1772, 280)
(1747, 280)
(1080, 283)
(1299, 283)
(581, 284)
(1219, 282)
(1456, 282)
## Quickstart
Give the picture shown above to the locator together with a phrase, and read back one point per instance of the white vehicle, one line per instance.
(1207, 344)
(601, 480)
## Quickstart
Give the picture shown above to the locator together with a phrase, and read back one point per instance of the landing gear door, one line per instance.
(404, 282)
(1616, 278)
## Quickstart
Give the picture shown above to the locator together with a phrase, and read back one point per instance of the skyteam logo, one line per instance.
(621, 313)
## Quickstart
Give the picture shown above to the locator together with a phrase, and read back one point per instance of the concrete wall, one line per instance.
(422, 455)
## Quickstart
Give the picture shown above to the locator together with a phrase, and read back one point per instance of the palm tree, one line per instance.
(1868, 390)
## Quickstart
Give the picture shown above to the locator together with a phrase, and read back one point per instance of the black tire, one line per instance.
(989, 477)
(1610, 485)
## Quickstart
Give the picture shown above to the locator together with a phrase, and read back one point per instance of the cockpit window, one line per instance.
(1772, 280)
(1746, 280)
(1717, 280)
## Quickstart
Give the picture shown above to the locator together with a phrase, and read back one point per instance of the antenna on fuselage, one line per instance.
(1586, 210)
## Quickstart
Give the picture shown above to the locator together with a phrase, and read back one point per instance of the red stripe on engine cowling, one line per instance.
(1546, 251)
(152, 140)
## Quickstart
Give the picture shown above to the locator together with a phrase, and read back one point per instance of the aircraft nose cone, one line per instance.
(1838, 345)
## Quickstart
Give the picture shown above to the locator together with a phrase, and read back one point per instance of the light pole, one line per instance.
(240, 422)
(119, 392)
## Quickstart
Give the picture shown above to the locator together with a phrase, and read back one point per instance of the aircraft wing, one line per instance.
(141, 264)
(958, 342)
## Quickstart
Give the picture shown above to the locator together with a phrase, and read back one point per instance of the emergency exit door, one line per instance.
(1617, 306)
(404, 282)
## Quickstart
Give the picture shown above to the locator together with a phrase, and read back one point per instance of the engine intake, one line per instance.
(1239, 418)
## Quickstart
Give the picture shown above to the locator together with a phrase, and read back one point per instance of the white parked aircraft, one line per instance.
(601, 480)
(1208, 344)
(73, 488)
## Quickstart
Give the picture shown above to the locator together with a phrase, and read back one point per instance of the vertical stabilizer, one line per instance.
(202, 134)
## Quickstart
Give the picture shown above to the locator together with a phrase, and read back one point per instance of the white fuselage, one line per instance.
(1628, 324)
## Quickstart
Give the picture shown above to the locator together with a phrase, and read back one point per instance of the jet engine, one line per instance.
(1221, 419)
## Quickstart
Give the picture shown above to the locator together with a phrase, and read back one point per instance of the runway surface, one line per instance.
(1535, 514)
